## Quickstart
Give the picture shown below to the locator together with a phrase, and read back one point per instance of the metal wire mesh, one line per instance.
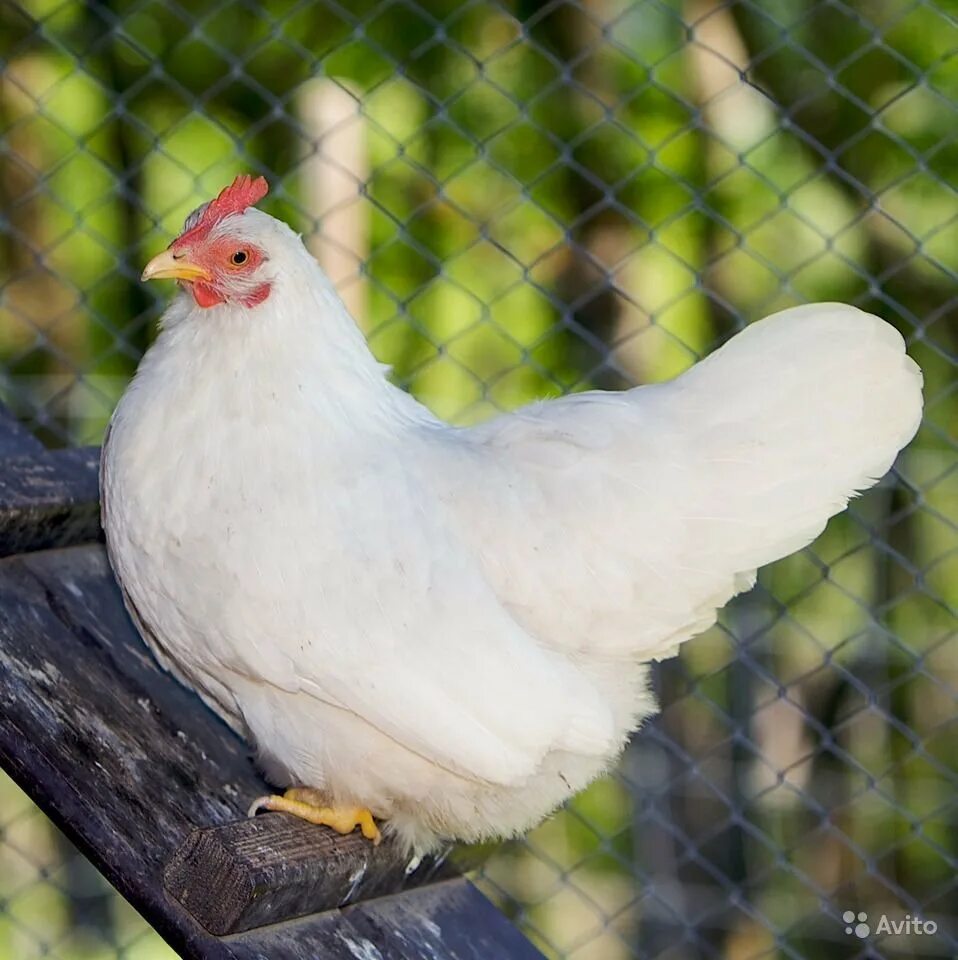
(523, 199)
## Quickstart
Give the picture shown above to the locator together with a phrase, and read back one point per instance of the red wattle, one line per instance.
(257, 296)
(205, 295)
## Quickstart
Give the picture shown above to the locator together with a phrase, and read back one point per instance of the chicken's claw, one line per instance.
(306, 803)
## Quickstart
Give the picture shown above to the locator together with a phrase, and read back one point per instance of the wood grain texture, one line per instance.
(49, 499)
(443, 921)
(253, 872)
(139, 773)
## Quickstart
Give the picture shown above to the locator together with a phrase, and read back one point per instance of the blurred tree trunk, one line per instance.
(334, 175)
(899, 290)
(598, 235)
(733, 117)
(121, 307)
(831, 118)
(37, 304)
(657, 768)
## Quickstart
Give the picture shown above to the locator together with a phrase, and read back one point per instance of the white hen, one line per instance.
(450, 627)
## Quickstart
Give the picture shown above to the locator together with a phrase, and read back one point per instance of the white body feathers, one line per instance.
(450, 626)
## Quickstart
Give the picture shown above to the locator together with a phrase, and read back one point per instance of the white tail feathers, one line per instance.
(633, 516)
(790, 419)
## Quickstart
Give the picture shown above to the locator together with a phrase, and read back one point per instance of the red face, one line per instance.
(215, 266)
(231, 265)
(211, 257)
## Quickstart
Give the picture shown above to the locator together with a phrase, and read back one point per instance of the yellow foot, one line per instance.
(307, 804)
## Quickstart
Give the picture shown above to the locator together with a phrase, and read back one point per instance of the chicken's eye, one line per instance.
(239, 258)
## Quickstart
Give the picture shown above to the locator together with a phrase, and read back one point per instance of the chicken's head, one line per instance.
(216, 256)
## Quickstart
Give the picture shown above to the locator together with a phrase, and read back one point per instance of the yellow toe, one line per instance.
(302, 802)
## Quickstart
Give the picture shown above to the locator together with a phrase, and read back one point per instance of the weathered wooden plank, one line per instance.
(15, 439)
(444, 921)
(450, 921)
(130, 764)
(253, 872)
(49, 499)
(120, 756)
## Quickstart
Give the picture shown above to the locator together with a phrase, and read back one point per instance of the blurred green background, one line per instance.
(519, 200)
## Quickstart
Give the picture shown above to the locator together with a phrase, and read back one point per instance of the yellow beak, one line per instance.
(167, 265)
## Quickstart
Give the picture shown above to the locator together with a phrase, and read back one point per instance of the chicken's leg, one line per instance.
(308, 804)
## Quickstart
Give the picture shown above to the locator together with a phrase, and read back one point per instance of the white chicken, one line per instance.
(448, 630)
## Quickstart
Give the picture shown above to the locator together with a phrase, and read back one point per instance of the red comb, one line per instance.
(243, 192)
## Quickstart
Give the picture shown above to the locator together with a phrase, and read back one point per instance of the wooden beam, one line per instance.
(49, 499)
(444, 921)
(250, 873)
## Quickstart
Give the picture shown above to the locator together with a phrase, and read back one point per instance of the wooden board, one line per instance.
(445, 921)
(248, 873)
(49, 499)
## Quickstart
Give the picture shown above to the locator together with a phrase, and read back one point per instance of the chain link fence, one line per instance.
(519, 200)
